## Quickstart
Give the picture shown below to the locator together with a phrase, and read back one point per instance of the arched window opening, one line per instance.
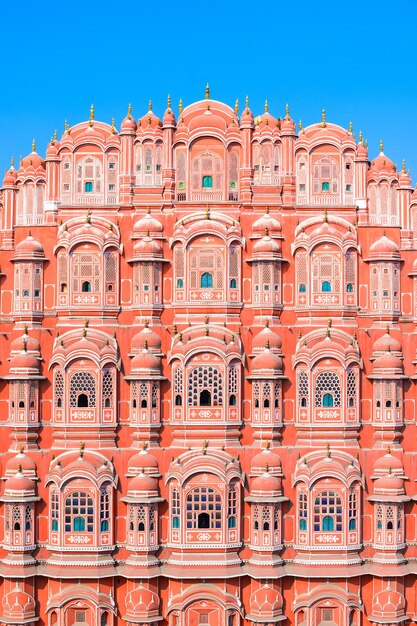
(88, 187)
(104, 508)
(232, 400)
(233, 283)
(328, 512)
(16, 518)
(64, 287)
(141, 527)
(104, 525)
(302, 288)
(302, 510)
(303, 388)
(175, 522)
(349, 287)
(352, 524)
(204, 506)
(327, 400)
(206, 281)
(79, 524)
(86, 287)
(21, 404)
(144, 404)
(205, 398)
(232, 522)
(328, 392)
(328, 523)
(266, 403)
(303, 524)
(79, 512)
(107, 403)
(28, 518)
(207, 182)
(303, 402)
(326, 286)
(178, 400)
(82, 401)
(82, 390)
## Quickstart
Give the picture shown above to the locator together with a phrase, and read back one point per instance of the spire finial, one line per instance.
(88, 217)
(81, 449)
(129, 110)
(350, 127)
(300, 125)
(33, 145)
(381, 146)
(389, 450)
(205, 446)
(267, 323)
(237, 106)
(85, 324)
(360, 137)
(323, 118)
(12, 162)
(388, 330)
(267, 444)
(403, 168)
(207, 94)
(169, 101)
(25, 345)
(92, 113)
(145, 344)
(287, 112)
(266, 468)
(180, 107)
(266, 106)
(325, 215)
(25, 329)
(113, 125)
(247, 102)
(150, 105)
(267, 344)
(207, 212)
(55, 134)
(328, 453)
(266, 231)
(66, 125)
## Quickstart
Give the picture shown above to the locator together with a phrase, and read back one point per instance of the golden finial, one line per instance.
(207, 91)
(403, 168)
(247, 102)
(206, 332)
(207, 212)
(19, 468)
(179, 337)
(25, 329)
(267, 444)
(388, 330)
(325, 215)
(113, 126)
(390, 470)
(175, 329)
(266, 468)
(389, 450)
(33, 145)
(266, 231)
(129, 110)
(85, 322)
(300, 335)
(206, 319)
(267, 344)
(21, 449)
(66, 125)
(12, 162)
(300, 125)
(328, 453)
(266, 106)
(287, 112)
(237, 106)
(267, 323)
(84, 332)
(21, 160)
(55, 134)
(360, 137)
(143, 445)
(350, 128)
(92, 113)
(180, 107)
(381, 146)
(150, 105)
(169, 101)
(25, 347)
(267, 210)
(323, 118)
(81, 449)
(205, 446)
(88, 217)
(145, 344)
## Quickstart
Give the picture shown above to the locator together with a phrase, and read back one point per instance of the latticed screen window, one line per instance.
(28, 517)
(302, 510)
(63, 272)
(17, 518)
(175, 508)
(232, 507)
(303, 389)
(181, 169)
(204, 508)
(325, 175)
(328, 512)
(326, 272)
(207, 166)
(302, 276)
(54, 510)
(233, 384)
(110, 268)
(89, 175)
(86, 273)
(108, 389)
(179, 267)
(104, 508)
(205, 387)
(178, 386)
(79, 512)
(233, 170)
(379, 516)
(234, 262)
(351, 388)
(352, 510)
(206, 268)
(82, 390)
(327, 391)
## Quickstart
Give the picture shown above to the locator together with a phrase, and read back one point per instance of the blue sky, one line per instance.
(356, 59)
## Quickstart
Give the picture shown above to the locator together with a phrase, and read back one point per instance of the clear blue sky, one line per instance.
(358, 59)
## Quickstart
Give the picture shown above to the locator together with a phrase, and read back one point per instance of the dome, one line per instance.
(10, 177)
(142, 603)
(142, 483)
(386, 342)
(388, 362)
(128, 125)
(23, 362)
(148, 224)
(142, 461)
(265, 602)
(263, 337)
(20, 463)
(29, 248)
(384, 247)
(147, 247)
(149, 120)
(169, 117)
(18, 605)
(145, 360)
(264, 459)
(267, 360)
(388, 463)
(32, 345)
(18, 484)
(388, 603)
(390, 484)
(268, 222)
(362, 150)
(267, 246)
(266, 483)
(33, 160)
(147, 337)
(382, 164)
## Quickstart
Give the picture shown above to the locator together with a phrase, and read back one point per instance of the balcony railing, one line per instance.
(29, 220)
(89, 199)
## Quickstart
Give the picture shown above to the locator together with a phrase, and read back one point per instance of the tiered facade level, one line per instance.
(208, 363)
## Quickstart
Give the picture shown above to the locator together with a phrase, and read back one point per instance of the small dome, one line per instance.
(267, 360)
(362, 150)
(265, 336)
(266, 222)
(383, 247)
(19, 483)
(388, 463)
(10, 177)
(20, 463)
(32, 161)
(147, 247)
(146, 338)
(147, 361)
(267, 246)
(32, 345)
(128, 124)
(142, 483)
(18, 605)
(169, 117)
(149, 121)
(266, 483)
(148, 224)
(142, 462)
(53, 149)
(386, 342)
(382, 164)
(388, 362)
(23, 362)
(265, 602)
(142, 603)
(29, 248)
(390, 484)
(388, 603)
(266, 459)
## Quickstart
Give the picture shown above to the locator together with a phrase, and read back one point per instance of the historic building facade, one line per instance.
(208, 363)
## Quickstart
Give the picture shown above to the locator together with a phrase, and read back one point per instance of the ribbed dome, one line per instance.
(384, 247)
(267, 360)
(29, 248)
(388, 463)
(32, 345)
(265, 336)
(388, 361)
(145, 360)
(267, 246)
(266, 223)
(389, 485)
(266, 483)
(24, 361)
(385, 342)
(142, 483)
(19, 483)
(148, 224)
(147, 247)
(146, 338)
(265, 459)
(20, 462)
(142, 461)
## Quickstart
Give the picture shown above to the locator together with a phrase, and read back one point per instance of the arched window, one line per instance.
(54, 510)
(175, 508)
(82, 390)
(206, 280)
(302, 288)
(209, 379)
(204, 506)
(302, 510)
(327, 389)
(352, 510)
(328, 512)
(79, 512)
(16, 518)
(104, 508)
(88, 187)
(303, 388)
(232, 400)
(86, 287)
(207, 182)
(326, 286)
(233, 283)
(178, 400)
(349, 287)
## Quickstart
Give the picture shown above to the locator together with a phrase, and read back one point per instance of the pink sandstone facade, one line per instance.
(208, 368)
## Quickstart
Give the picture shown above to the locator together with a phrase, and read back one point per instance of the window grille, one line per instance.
(175, 508)
(108, 389)
(302, 275)
(352, 505)
(205, 378)
(82, 383)
(327, 512)
(16, 517)
(104, 508)
(204, 508)
(28, 517)
(79, 512)
(351, 387)
(303, 389)
(302, 510)
(327, 383)
(54, 510)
